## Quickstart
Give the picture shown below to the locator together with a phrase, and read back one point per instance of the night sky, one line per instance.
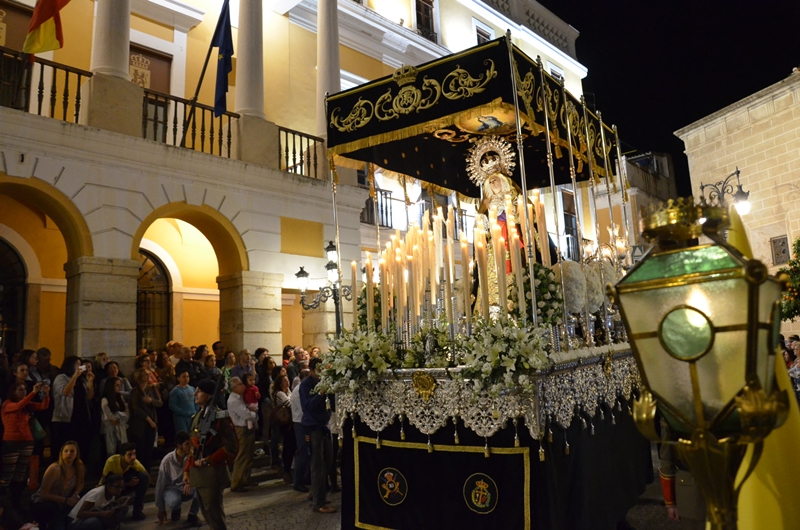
(656, 66)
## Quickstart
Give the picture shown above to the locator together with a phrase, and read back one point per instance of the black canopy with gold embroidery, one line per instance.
(420, 120)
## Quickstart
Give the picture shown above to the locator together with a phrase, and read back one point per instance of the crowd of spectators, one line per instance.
(92, 424)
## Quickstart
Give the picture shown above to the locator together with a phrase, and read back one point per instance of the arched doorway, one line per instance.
(153, 303)
(12, 300)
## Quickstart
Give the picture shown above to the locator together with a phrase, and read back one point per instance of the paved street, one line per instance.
(275, 505)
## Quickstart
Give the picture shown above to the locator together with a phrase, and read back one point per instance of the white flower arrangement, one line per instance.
(431, 346)
(502, 355)
(548, 296)
(356, 357)
(594, 289)
(574, 284)
(607, 273)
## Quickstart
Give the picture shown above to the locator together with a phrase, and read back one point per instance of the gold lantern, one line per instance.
(704, 323)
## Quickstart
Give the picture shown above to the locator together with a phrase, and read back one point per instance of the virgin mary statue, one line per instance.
(490, 164)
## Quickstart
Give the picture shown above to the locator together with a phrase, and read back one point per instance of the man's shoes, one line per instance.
(240, 489)
(138, 516)
(287, 478)
(176, 515)
(194, 521)
(303, 489)
(325, 509)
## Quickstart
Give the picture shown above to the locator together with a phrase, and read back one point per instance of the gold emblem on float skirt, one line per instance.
(480, 493)
(140, 70)
(424, 384)
(392, 486)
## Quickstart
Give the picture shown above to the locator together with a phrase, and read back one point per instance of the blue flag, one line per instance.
(223, 40)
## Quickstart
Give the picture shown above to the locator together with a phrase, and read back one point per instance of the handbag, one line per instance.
(36, 429)
(283, 414)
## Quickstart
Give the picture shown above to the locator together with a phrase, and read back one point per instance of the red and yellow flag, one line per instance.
(44, 33)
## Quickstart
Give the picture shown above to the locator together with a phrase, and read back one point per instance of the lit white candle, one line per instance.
(370, 294)
(501, 275)
(354, 288)
(466, 275)
(483, 271)
(516, 263)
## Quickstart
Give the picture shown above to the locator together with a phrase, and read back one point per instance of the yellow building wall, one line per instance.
(200, 322)
(152, 28)
(52, 324)
(40, 232)
(77, 21)
(455, 25)
(394, 10)
(192, 252)
(292, 323)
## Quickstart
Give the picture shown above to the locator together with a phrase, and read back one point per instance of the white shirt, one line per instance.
(238, 411)
(297, 407)
(97, 496)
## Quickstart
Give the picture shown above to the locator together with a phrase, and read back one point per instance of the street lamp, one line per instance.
(725, 187)
(704, 324)
(330, 291)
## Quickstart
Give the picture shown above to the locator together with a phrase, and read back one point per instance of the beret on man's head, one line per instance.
(207, 386)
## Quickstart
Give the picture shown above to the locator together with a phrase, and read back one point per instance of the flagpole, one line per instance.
(187, 120)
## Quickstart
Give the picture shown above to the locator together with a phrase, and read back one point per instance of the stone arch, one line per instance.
(218, 229)
(38, 194)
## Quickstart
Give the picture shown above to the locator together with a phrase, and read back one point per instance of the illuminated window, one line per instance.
(425, 23)
(483, 33)
(153, 303)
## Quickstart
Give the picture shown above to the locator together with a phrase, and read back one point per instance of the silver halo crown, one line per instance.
(490, 154)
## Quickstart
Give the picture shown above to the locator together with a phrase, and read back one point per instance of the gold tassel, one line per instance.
(541, 451)
(378, 441)
(550, 435)
(566, 447)
(332, 166)
(613, 418)
(455, 430)
(486, 448)
(516, 434)
(341, 441)
(430, 445)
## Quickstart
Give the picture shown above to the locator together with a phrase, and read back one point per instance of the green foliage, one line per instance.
(790, 303)
(376, 308)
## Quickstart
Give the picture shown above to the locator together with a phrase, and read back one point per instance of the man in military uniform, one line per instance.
(208, 472)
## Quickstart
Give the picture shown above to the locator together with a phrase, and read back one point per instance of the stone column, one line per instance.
(111, 101)
(101, 306)
(250, 310)
(318, 323)
(112, 38)
(328, 69)
(255, 139)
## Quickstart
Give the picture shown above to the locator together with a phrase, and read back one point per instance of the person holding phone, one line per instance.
(17, 436)
(73, 390)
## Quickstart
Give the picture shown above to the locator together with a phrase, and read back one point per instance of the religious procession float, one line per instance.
(497, 393)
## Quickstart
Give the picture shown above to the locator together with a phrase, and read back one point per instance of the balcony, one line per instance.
(57, 86)
(53, 90)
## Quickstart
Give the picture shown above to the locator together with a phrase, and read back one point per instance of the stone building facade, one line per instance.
(760, 135)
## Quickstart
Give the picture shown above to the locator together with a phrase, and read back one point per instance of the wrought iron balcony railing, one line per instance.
(299, 153)
(163, 118)
(57, 86)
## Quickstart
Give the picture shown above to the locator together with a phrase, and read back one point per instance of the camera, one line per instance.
(45, 382)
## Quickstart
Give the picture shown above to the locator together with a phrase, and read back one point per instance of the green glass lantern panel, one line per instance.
(686, 333)
(721, 372)
(668, 377)
(672, 264)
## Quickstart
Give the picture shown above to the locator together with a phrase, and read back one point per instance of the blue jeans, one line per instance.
(138, 490)
(302, 458)
(173, 498)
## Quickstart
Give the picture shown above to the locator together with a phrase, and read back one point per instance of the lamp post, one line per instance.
(725, 187)
(330, 291)
(704, 324)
